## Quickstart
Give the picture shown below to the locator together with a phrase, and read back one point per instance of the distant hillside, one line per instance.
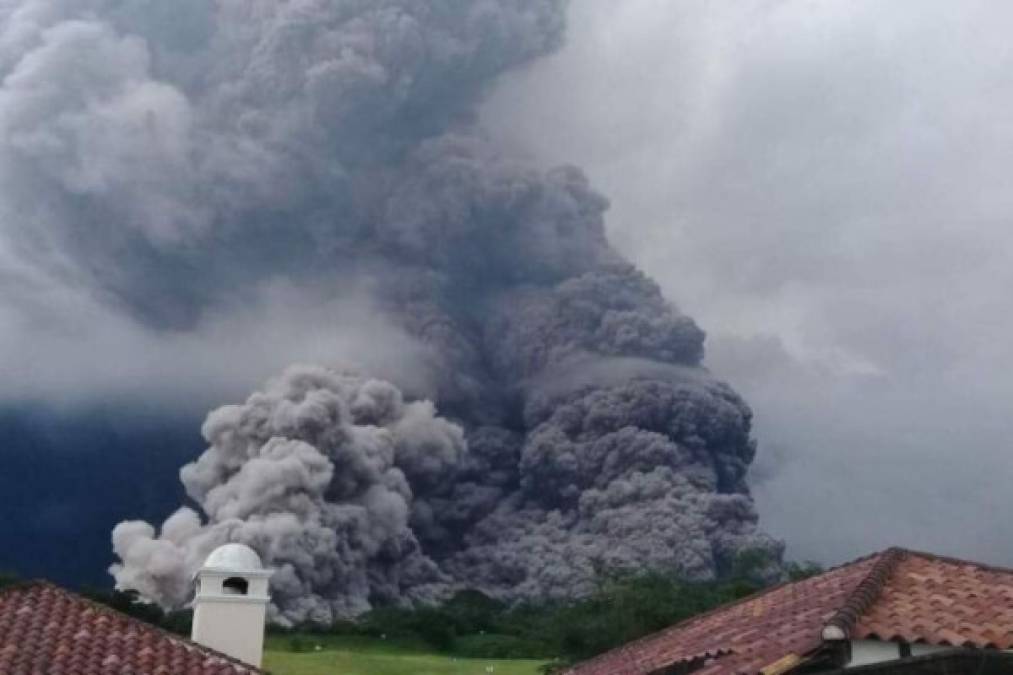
(65, 478)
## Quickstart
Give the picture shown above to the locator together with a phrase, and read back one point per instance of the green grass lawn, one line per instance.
(362, 656)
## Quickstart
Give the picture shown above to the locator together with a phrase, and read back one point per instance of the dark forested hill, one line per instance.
(67, 478)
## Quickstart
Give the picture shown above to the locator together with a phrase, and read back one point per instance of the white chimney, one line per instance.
(230, 606)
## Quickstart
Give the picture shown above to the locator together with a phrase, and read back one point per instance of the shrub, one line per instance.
(797, 571)
(179, 622)
(8, 579)
(472, 611)
(430, 624)
(436, 628)
(497, 646)
(299, 644)
(344, 627)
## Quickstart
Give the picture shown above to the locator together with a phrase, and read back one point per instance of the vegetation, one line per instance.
(472, 629)
(472, 625)
(372, 656)
(796, 571)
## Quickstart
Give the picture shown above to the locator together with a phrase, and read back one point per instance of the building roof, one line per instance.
(45, 629)
(234, 557)
(895, 595)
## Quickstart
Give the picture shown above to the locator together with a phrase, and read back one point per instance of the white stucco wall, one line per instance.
(231, 626)
(228, 622)
(872, 651)
(876, 651)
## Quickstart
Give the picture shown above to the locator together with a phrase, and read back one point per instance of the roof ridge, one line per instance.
(863, 595)
(689, 621)
(958, 561)
(105, 609)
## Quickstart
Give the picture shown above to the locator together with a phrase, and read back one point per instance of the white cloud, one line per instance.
(824, 187)
(62, 345)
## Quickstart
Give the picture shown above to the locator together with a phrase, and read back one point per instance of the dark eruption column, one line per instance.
(174, 164)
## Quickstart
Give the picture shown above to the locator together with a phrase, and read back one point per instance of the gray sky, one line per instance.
(822, 185)
(825, 187)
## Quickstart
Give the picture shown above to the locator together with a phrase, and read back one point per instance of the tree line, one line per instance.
(623, 607)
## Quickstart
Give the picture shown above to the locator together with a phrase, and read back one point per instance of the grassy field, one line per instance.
(361, 656)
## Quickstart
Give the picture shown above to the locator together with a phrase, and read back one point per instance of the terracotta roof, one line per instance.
(45, 630)
(894, 595)
(944, 602)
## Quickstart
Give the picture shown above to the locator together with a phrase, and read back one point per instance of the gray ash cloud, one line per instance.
(319, 471)
(178, 165)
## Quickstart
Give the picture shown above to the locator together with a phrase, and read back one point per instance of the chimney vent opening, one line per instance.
(235, 586)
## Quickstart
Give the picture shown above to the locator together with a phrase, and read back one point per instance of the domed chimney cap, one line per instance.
(234, 558)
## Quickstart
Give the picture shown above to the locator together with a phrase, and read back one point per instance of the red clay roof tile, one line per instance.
(752, 633)
(943, 601)
(45, 629)
(893, 595)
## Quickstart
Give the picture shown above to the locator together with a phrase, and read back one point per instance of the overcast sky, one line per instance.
(825, 187)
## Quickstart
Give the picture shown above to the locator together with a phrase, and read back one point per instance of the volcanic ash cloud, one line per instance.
(173, 161)
(355, 495)
(314, 471)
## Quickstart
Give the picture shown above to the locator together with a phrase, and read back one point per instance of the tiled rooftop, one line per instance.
(894, 595)
(940, 601)
(45, 630)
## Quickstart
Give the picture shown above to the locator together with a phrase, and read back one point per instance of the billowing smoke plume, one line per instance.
(318, 472)
(176, 157)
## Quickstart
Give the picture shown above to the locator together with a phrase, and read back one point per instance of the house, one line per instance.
(899, 612)
(46, 630)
